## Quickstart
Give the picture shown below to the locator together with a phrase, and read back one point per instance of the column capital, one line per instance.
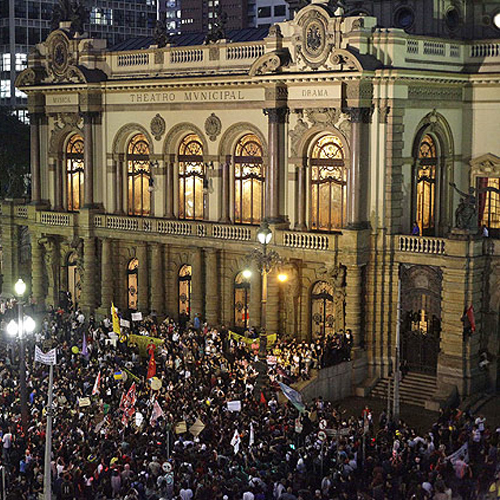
(276, 115)
(359, 115)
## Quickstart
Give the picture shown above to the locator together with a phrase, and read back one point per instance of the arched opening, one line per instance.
(241, 302)
(191, 178)
(421, 318)
(328, 177)
(74, 172)
(322, 310)
(248, 180)
(425, 179)
(132, 284)
(73, 281)
(184, 289)
(139, 176)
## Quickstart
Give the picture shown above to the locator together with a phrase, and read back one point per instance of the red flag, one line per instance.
(128, 400)
(97, 383)
(262, 398)
(470, 317)
(151, 366)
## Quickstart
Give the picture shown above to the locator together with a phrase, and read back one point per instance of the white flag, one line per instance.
(462, 451)
(235, 442)
(97, 383)
(48, 358)
(156, 413)
(251, 439)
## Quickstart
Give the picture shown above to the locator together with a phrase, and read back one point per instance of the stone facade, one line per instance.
(377, 92)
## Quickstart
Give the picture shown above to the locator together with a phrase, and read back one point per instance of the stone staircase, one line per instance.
(414, 389)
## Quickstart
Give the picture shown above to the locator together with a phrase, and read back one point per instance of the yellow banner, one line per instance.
(142, 343)
(116, 320)
(271, 339)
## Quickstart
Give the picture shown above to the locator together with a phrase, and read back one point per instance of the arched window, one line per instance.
(322, 313)
(73, 281)
(132, 282)
(74, 172)
(426, 185)
(328, 184)
(241, 302)
(191, 178)
(139, 176)
(248, 180)
(184, 287)
(489, 204)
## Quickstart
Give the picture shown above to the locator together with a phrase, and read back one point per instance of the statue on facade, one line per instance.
(72, 11)
(160, 34)
(218, 30)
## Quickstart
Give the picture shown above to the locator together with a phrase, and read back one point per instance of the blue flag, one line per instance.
(85, 351)
(293, 396)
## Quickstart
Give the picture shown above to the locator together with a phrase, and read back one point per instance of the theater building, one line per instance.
(152, 169)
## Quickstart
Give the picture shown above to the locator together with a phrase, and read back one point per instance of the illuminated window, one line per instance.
(426, 185)
(5, 89)
(328, 184)
(5, 62)
(184, 288)
(322, 313)
(139, 176)
(248, 180)
(191, 178)
(132, 283)
(74, 172)
(489, 204)
(21, 61)
(241, 302)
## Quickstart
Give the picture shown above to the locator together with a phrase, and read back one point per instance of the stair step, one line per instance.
(414, 389)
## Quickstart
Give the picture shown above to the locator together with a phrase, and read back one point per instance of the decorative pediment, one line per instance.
(273, 62)
(343, 60)
(30, 76)
(487, 165)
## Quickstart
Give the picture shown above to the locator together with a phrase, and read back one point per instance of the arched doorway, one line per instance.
(421, 317)
(184, 287)
(241, 302)
(132, 284)
(322, 310)
(74, 285)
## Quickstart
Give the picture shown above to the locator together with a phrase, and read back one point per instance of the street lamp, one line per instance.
(24, 325)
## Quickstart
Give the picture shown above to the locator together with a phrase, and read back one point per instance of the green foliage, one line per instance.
(14, 155)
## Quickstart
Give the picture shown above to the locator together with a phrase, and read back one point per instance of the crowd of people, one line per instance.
(203, 432)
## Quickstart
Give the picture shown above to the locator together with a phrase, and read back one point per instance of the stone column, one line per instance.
(120, 167)
(157, 295)
(169, 190)
(273, 302)
(88, 153)
(10, 255)
(353, 302)
(36, 186)
(212, 297)
(170, 282)
(106, 276)
(88, 298)
(275, 175)
(300, 225)
(254, 307)
(143, 278)
(37, 281)
(197, 294)
(224, 215)
(357, 177)
(58, 182)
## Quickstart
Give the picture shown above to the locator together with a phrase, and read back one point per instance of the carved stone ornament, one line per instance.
(297, 133)
(214, 53)
(276, 93)
(158, 126)
(326, 117)
(345, 60)
(272, 62)
(58, 59)
(213, 126)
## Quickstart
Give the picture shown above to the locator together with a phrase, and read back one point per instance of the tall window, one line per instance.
(184, 282)
(426, 185)
(241, 302)
(74, 172)
(322, 311)
(132, 283)
(248, 180)
(489, 204)
(328, 184)
(139, 176)
(191, 178)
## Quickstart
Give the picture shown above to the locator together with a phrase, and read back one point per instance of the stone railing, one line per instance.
(422, 244)
(21, 211)
(55, 219)
(136, 59)
(485, 49)
(307, 241)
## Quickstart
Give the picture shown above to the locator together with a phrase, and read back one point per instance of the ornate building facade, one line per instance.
(152, 170)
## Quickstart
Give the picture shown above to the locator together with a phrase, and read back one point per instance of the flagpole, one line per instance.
(395, 409)
(48, 439)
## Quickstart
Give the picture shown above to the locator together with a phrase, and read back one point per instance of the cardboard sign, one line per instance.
(234, 405)
(83, 402)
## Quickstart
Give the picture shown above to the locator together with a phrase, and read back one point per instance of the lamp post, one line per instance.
(24, 324)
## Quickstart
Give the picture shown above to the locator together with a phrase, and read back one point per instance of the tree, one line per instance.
(14, 156)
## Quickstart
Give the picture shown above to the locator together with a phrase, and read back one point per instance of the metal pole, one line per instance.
(48, 440)
(4, 493)
(22, 368)
(395, 409)
(263, 319)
